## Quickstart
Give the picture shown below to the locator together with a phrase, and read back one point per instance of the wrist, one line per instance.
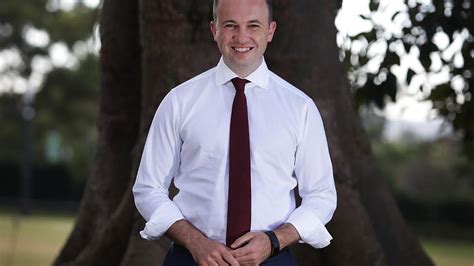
(274, 243)
(195, 240)
(287, 235)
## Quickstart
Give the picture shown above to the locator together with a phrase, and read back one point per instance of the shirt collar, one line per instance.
(259, 77)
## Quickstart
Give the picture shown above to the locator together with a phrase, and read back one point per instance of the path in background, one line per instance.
(36, 240)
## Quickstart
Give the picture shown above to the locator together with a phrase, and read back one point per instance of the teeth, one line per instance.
(242, 49)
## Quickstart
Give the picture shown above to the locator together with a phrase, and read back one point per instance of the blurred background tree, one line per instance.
(422, 50)
(49, 78)
(146, 51)
(48, 85)
(425, 46)
(48, 49)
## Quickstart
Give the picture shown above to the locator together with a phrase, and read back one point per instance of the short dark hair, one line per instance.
(269, 5)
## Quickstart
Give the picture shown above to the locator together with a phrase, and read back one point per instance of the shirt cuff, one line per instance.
(309, 227)
(161, 220)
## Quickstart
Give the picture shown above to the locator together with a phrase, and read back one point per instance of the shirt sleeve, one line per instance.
(158, 165)
(313, 170)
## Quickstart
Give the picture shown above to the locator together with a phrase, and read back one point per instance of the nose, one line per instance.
(241, 35)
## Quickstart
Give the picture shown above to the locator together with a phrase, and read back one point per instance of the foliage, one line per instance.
(66, 119)
(46, 52)
(433, 186)
(10, 118)
(423, 170)
(439, 34)
(18, 20)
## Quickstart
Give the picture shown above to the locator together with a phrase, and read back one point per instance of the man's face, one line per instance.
(242, 31)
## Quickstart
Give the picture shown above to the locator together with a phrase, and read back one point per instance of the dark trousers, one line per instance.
(179, 256)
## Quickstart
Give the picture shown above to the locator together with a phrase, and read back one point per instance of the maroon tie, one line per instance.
(239, 206)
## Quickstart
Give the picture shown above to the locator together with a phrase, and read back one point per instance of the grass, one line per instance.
(37, 239)
(450, 252)
(32, 240)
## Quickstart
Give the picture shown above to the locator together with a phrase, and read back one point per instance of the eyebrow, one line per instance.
(255, 21)
(233, 21)
(229, 21)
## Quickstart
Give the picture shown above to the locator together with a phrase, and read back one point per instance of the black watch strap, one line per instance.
(274, 242)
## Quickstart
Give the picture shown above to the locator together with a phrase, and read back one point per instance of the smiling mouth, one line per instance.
(242, 49)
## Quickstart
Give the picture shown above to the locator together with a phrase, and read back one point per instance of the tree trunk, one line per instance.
(176, 44)
(105, 219)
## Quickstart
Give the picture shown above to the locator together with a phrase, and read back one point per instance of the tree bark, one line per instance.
(175, 45)
(101, 233)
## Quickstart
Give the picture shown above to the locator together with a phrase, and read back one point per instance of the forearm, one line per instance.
(287, 235)
(184, 234)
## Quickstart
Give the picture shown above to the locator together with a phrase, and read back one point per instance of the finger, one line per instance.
(220, 261)
(241, 251)
(242, 240)
(212, 263)
(227, 256)
(216, 256)
(247, 259)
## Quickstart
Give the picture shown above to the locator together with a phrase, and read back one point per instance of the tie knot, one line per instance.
(239, 83)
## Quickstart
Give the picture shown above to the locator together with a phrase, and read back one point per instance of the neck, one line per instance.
(243, 71)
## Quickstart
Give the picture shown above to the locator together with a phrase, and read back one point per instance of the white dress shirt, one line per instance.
(188, 141)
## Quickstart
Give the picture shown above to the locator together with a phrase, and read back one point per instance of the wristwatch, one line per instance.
(275, 244)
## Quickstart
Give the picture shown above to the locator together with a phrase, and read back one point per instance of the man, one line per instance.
(236, 140)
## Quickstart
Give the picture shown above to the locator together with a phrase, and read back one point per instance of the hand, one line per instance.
(252, 248)
(208, 252)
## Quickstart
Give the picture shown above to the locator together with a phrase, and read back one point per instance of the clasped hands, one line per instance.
(250, 249)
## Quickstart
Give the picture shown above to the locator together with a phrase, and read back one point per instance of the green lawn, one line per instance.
(32, 240)
(37, 239)
(450, 252)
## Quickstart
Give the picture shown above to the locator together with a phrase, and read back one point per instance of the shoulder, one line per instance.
(187, 91)
(190, 86)
(289, 91)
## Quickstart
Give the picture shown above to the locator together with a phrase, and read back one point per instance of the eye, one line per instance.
(254, 26)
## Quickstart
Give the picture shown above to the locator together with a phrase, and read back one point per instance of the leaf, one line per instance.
(441, 93)
(407, 47)
(390, 86)
(394, 15)
(374, 5)
(425, 50)
(410, 74)
(390, 59)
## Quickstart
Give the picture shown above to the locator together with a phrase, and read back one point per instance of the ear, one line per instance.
(213, 27)
(271, 30)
